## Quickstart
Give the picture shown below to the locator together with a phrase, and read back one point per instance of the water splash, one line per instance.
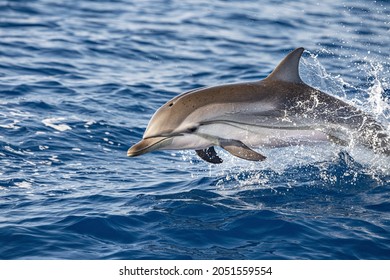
(370, 98)
(322, 161)
(315, 74)
(377, 101)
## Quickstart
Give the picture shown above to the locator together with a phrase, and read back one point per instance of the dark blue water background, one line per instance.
(79, 81)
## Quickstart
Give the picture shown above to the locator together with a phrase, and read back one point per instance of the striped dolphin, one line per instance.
(279, 110)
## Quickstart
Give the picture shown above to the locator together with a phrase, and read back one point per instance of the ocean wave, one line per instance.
(79, 81)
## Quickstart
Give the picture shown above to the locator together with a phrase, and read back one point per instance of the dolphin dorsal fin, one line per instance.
(288, 68)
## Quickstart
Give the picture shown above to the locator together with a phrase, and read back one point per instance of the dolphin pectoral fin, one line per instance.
(209, 155)
(239, 149)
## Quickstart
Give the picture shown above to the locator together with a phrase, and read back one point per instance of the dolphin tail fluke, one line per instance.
(239, 149)
(209, 155)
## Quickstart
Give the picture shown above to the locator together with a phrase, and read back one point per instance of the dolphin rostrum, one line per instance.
(279, 110)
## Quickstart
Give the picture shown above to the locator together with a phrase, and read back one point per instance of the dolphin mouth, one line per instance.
(146, 145)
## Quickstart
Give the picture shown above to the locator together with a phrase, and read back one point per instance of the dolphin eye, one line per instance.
(171, 104)
(192, 129)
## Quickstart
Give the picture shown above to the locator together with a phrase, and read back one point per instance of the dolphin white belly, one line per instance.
(258, 136)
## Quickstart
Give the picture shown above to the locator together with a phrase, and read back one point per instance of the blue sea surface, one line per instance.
(79, 81)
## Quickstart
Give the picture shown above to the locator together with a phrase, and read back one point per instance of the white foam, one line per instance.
(53, 123)
(89, 123)
(24, 185)
(11, 125)
(54, 159)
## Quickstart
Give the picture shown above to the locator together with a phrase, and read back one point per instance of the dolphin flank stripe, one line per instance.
(278, 110)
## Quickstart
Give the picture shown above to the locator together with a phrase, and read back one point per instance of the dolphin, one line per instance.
(280, 110)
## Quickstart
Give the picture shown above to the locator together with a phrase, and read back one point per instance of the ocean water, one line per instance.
(79, 81)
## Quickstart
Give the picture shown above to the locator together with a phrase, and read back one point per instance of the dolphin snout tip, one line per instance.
(135, 150)
(145, 146)
(130, 152)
